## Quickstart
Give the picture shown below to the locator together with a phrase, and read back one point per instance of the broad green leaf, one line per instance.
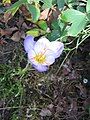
(78, 20)
(30, 1)
(55, 34)
(81, 9)
(88, 6)
(61, 24)
(47, 3)
(70, 1)
(60, 3)
(13, 9)
(35, 12)
(88, 15)
(35, 32)
(37, 1)
(55, 25)
(42, 24)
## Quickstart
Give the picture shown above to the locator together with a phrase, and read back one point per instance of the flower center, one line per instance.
(40, 58)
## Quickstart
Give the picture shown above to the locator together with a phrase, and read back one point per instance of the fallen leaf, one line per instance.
(16, 36)
(7, 16)
(22, 34)
(25, 12)
(5, 32)
(8, 31)
(44, 14)
(53, 15)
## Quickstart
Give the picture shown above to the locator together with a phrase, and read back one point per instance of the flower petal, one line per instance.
(59, 52)
(41, 68)
(31, 55)
(41, 44)
(49, 60)
(44, 41)
(39, 47)
(57, 47)
(29, 43)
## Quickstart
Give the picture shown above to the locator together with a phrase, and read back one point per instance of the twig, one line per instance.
(63, 62)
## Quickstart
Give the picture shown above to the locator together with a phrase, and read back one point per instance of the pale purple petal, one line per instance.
(50, 57)
(44, 40)
(50, 52)
(49, 60)
(59, 52)
(39, 47)
(29, 43)
(31, 55)
(41, 68)
(57, 47)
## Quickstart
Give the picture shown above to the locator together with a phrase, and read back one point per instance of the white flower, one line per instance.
(42, 54)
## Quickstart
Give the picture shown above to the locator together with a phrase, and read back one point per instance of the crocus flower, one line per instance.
(42, 54)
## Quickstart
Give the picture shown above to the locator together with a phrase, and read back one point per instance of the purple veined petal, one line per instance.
(49, 52)
(41, 68)
(49, 60)
(31, 55)
(29, 43)
(50, 57)
(59, 52)
(39, 47)
(57, 47)
(41, 44)
(44, 40)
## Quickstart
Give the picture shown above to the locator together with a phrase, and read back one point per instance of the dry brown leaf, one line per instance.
(7, 16)
(25, 12)
(20, 22)
(24, 25)
(22, 34)
(44, 14)
(53, 15)
(7, 31)
(16, 36)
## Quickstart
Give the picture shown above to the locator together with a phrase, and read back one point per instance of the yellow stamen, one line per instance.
(40, 58)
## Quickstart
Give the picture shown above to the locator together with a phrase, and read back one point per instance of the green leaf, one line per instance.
(55, 34)
(60, 4)
(55, 25)
(88, 6)
(88, 16)
(78, 20)
(35, 12)
(14, 7)
(70, 1)
(30, 1)
(35, 32)
(6, 1)
(47, 3)
(42, 24)
(81, 9)
(37, 1)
